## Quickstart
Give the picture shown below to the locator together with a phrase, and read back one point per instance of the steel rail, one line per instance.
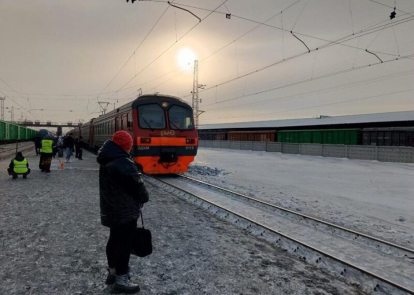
(378, 277)
(301, 215)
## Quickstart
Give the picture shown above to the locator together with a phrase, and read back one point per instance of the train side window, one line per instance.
(130, 121)
(118, 124)
(125, 122)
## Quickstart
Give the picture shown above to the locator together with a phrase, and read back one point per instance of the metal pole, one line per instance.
(195, 94)
(2, 99)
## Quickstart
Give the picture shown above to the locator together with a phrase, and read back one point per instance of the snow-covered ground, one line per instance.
(51, 242)
(372, 197)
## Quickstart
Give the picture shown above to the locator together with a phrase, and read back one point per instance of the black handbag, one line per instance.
(141, 241)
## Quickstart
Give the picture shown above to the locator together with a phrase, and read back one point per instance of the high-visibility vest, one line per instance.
(20, 167)
(46, 146)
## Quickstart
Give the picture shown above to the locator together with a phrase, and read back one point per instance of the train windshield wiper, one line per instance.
(148, 124)
(176, 127)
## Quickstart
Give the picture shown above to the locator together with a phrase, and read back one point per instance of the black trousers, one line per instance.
(118, 249)
(79, 153)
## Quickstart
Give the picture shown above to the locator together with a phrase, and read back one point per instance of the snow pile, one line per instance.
(194, 169)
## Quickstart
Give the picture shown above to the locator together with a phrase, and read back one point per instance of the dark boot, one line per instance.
(124, 285)
(14, 177)
(24, 176)
(110, 279)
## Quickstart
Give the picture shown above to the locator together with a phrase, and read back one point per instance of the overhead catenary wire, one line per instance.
(221, 48)
(121, 89)
(285, 60)
(305, 81)
(330, 43)
(136, 49)
(309, 93)
(326, 104)
(85, 95)
(12, 99)
(169, 47)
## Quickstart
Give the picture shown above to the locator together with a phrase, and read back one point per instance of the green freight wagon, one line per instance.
(2, 131)
(13, 132)
(329, 136)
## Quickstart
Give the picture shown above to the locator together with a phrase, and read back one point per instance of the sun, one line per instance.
(186, 57)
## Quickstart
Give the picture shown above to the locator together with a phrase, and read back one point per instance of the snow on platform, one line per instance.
(373, 197)
(52, 243)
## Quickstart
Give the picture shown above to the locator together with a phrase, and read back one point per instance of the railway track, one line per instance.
(370, 264)
(9, 150)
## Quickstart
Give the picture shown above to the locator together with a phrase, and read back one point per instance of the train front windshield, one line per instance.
(151, 116)
(180, 118)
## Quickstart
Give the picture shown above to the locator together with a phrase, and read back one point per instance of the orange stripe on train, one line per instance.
(167, 141)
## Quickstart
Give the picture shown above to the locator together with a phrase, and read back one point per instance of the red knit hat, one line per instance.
(123, 139)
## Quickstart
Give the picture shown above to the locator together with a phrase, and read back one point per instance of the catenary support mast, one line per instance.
(196, 101)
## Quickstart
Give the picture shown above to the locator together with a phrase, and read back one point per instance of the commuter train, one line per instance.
(162, 127)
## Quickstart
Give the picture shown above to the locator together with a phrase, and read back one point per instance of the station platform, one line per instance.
(52, 242)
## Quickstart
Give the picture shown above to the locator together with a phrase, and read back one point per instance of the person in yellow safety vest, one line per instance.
(46, 153)
(19, 166)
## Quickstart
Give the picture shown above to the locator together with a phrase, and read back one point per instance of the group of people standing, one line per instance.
(48, 146)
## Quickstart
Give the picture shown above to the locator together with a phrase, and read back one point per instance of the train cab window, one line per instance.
(151, 116)
(180, 118)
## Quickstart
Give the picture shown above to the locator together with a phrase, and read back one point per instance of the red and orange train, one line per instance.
(162, 127)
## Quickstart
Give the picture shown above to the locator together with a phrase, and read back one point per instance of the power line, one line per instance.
(153, 61)
(136, 49)
(14, 100)
(285, 60)
(305, 81)
(324, 90)
(327, 104)
(330, 43)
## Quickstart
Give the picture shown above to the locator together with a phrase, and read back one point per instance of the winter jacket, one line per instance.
(69, 142)
(17, 158)
(121, 189)
(38, 141)
(79, 143)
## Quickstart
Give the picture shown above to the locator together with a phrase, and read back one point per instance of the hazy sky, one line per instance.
(60, 56)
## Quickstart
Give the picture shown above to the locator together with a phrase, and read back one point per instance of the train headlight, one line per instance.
(190, 141)
(145, 140)
(164, 104)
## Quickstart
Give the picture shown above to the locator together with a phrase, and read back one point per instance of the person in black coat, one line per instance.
(79, 143)
(38, 144)
(68, 144)
(122, 195)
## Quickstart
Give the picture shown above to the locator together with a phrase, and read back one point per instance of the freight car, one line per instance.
(328, 136)
(390, 136)
(10, 132)
(393, 136)
(165, 140)
(257, 135)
